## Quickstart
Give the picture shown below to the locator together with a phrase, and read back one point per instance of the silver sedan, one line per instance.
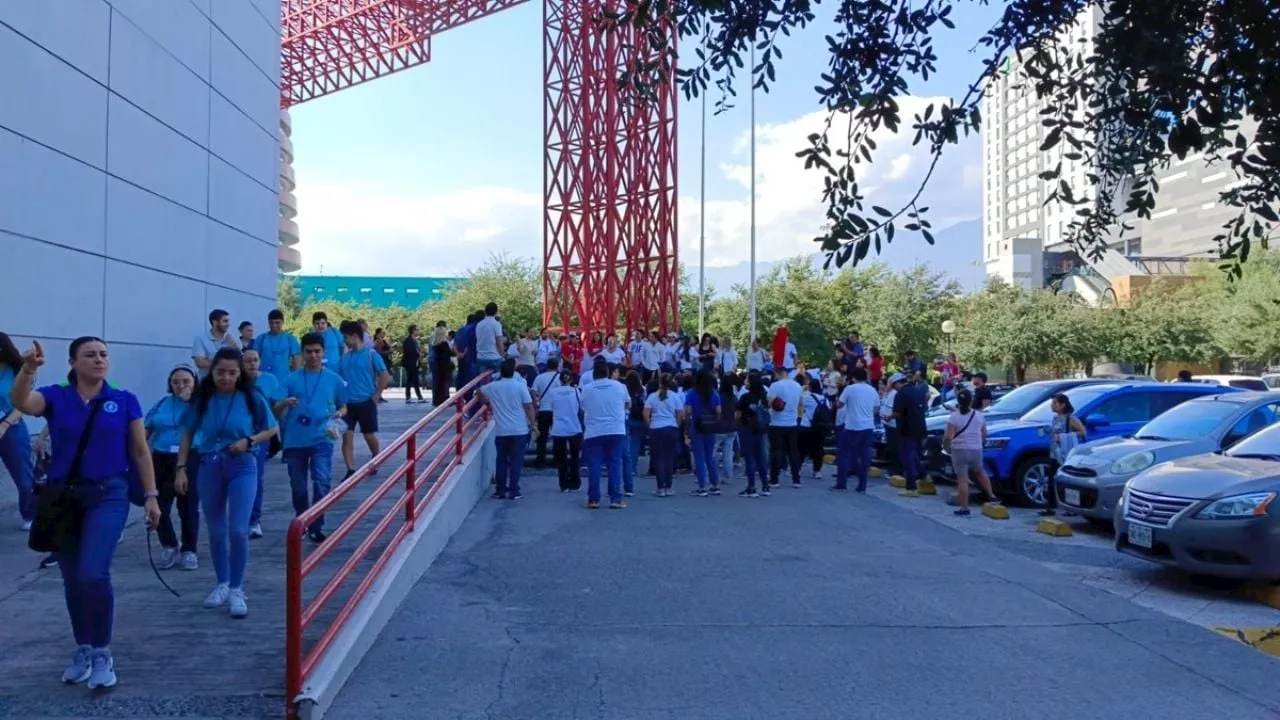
(1090, 482)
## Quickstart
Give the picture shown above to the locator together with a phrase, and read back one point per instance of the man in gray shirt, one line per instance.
(489, 343)
(208, 344)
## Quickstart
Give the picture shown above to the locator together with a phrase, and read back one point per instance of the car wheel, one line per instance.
(1032, 478)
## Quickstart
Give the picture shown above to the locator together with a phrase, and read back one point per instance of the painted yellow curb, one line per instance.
(897, 481)
(995, 512)
(875, 472)
(1264, 640)
(1267, 595)
(829, 459)
(909, 493)
(1056, 528)
(926, 487)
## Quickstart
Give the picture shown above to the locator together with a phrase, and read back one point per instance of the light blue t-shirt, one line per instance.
(320, 394)
(361, 368)
(166, 423)
(662, 413)
(508, 397)
(277, 353)
(564, 405)
(269, 387)
(604, 409)
(7, 376)
(333, 347)
(227, 419)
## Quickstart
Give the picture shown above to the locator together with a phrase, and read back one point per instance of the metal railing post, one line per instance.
(293, 618)
(411, 482)
(458, 422)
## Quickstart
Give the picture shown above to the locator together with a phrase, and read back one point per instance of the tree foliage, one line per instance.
(1162, 80)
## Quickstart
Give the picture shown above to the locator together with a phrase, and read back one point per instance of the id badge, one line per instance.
(304, 419)
(173, 449)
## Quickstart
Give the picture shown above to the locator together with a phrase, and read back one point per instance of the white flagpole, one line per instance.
(753, 191)
(702, 229)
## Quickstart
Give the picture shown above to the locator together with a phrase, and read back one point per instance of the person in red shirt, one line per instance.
(597, 343)
(875, 368)
(949, 369)
(571, 354)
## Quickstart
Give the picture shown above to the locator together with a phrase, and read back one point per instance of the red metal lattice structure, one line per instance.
(610, 259)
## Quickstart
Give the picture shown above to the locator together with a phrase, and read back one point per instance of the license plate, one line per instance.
(1140, 535)
(1071, 496)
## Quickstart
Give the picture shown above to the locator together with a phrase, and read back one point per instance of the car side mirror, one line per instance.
(1096, 421)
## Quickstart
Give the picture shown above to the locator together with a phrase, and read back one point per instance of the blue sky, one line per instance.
(430, 170)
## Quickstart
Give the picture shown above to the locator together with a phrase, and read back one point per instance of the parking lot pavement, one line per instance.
(1088, 556)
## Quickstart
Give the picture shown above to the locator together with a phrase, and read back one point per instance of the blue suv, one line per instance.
(1016, 455)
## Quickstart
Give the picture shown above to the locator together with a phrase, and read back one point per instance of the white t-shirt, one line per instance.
(789, 356)
(564, 404)
(886, 409)
(648, 355)
(790, 391)
(547, 348)
(588, 365)
(613, 357)
(728, 360)
(662, 413)
(508, 397)
(543, 385)
(861, 402)
(604, 409)
(488, 331)
(971, 424)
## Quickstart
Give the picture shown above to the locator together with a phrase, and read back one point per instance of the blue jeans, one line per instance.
(227, 487)
(853, 448)
(724, 445)
(261, 452)
(483, 365)
(752, 444)
(86, 573)
(663, 445)
(510, 462)
(15, 454)
(606, 450)
(704, 459)
(314, 463)
(909, 456)
(632, 448)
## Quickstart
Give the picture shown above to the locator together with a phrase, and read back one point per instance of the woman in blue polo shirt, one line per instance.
(165, 423)
(15, 440)
(116, 441)
(228, 419)
(266, 385)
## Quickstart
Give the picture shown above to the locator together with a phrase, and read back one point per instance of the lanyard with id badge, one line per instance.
(332, 428)
(220, 435)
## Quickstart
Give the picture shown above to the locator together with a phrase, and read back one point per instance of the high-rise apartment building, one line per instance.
(1187, 217)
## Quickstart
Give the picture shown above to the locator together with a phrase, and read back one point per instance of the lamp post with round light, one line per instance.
(948, 329)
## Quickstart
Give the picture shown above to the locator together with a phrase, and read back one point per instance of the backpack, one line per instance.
(823, 417)
(760, 416)
(707, 417)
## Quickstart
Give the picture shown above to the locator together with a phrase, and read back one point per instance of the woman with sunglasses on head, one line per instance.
(15, 439)
(96, 436)
(227, 421)
(165, 424)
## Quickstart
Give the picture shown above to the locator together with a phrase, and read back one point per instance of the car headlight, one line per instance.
(996, 443)
(1237, 506)
(1130, 464)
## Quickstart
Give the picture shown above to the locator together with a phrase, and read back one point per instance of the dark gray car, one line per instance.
(1090, 482)
(1211, 514)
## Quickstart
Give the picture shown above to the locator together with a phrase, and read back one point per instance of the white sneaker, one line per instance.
(103, 669)
(189, 561)
(239, 605)
(168, 558)
(217, 598)
(255, 531)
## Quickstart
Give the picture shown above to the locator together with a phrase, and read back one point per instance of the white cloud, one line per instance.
(368, 229)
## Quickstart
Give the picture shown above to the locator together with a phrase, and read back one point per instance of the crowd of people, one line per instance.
(689, 404)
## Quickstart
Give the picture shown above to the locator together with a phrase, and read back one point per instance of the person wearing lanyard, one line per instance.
(227, 420)
(311, 397)
(165, 425)
(115, 442)
(268, 387)
(279, 350)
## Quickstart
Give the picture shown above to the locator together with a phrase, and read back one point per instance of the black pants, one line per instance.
(440, 383)
(412, 382)
(891, 456)
(166, 465)
(544, 419)
(811, 446)
(784, 448)
(568, 454)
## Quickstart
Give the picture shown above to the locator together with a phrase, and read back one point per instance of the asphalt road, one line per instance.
(808, 605)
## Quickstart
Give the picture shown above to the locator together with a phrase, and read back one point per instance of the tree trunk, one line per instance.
(1020, 374)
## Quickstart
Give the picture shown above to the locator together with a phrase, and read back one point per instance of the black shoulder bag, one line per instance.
(59, 514)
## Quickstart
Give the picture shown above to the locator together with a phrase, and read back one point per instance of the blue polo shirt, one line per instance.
(166, 423)
(227, 419)
(320, 394)
(333, 347)
(107, 454)
(465, 339)
(360, 368)
(277, 352)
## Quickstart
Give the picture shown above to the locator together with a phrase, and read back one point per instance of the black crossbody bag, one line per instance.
(59, 513)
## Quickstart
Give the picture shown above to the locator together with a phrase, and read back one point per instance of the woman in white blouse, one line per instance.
(566, 432)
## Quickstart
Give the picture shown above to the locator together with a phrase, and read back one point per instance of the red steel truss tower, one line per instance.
(609, 174)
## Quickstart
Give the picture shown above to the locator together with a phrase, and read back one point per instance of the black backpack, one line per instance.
(708, 417)
(823, 416)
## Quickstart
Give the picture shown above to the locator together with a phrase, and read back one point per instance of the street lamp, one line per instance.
(948, 329)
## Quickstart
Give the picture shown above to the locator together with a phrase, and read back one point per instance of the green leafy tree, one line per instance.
(1010, 326)
(1162, 81)
(1165, 321)
(515, 284)
(288, 298)
(1247, 318)
(904, 311)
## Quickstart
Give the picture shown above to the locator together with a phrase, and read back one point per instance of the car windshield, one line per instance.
(1249, 384)
(1263, 444)
(1079, 396)
(1020, 400)
(1188, 421)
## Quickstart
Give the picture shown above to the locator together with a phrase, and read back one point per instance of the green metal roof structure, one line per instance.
(381, 292)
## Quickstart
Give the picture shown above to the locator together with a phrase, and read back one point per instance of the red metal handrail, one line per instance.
(453, 438)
